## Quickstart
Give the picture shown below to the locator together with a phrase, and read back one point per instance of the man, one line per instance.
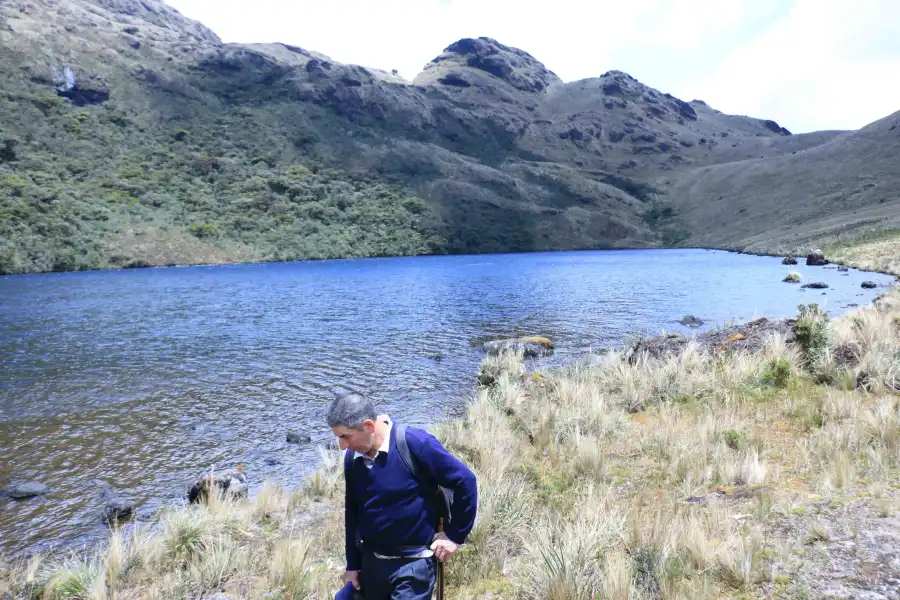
(391, 517)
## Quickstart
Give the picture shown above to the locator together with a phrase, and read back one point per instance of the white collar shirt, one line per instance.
(385, 447)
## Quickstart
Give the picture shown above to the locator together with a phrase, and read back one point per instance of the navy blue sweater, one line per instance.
(393, 511)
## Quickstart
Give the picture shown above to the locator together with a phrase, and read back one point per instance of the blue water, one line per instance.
(145, 378)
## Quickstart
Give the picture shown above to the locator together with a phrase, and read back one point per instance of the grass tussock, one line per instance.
(692, 477)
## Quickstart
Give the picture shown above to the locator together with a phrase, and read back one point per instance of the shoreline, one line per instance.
(733, 250)
(595, 352)
(316, 503)
(327, 470)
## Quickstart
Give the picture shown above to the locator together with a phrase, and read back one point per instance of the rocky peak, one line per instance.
(160, 14)
(515, 67)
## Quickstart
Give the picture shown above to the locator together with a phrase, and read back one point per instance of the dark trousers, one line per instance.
(394, 579)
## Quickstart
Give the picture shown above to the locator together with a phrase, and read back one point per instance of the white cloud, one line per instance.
(829, 64)
(809, 64)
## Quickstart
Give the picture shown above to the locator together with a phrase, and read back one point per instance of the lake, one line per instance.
(145, 378)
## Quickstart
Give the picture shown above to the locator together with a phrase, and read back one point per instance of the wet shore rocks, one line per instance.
(691, 321)
(232, 485)
(27, 490)
(116, 508)
(295, 437)
(748, 336)
(530, 346)
(816, 258)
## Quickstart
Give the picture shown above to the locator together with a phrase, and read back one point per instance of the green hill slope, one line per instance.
(131, 136)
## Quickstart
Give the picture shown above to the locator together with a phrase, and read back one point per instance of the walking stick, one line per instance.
(440, 568)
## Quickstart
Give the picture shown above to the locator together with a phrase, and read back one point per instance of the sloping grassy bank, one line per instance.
(771, 474)
(877, 252)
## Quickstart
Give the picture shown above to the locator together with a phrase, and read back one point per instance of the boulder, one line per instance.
(789, 260)
(816, 285)
(691, 321)
(295, 437)
(792, 278)
(869, 285)
(843, 268)
(816, 258)
(230, 485)
(531, 346)
(117, 509)
(27, 490)
(846, 356)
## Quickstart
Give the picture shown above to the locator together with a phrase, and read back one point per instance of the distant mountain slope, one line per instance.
(832, 190)
(130, 135)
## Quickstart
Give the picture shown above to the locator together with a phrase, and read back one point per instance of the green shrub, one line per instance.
(48, 102)
(119, 197)
(735, 438)
(13, 185)
(777, 373)
(205, 230)
(811, 329)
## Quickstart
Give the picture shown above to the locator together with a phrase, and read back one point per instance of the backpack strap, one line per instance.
(405, 454)
(445, 496)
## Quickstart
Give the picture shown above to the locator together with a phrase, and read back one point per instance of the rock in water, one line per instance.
(532, 346)
(230, 485)
(295, 437)
(843, 268)
(27, 490)
(816, 285)
(869, 285)
(789, 260)
(691, 321)
(116, 508)
(816, 258)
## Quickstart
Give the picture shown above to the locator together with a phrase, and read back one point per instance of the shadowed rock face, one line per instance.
(511, 65)
(506, 156)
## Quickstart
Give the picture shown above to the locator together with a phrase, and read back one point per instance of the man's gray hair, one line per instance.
(350, 410)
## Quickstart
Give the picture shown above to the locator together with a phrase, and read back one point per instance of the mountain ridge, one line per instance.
(138, 119)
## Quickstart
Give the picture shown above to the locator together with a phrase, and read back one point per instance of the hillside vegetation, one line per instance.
(132, 136)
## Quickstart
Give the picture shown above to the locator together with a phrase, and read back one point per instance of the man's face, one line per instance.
(357, 440)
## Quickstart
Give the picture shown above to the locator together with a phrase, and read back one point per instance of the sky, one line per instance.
(807, 64)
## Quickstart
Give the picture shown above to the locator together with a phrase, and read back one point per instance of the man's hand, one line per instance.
(352, 577)
(443, 547)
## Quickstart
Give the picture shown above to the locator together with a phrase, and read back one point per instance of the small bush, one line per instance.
(811, 329)
(777, 373)
(205, 230)
(735, 438)
(48, 102)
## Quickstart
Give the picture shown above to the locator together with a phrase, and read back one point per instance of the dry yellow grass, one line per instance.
(700, 476)
(881, 253)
